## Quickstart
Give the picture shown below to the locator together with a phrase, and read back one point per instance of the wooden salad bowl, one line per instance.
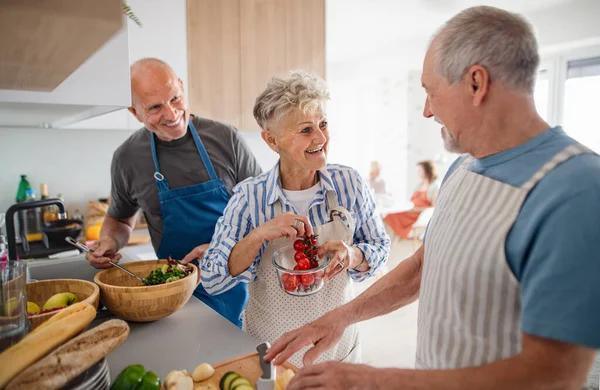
(127, 298)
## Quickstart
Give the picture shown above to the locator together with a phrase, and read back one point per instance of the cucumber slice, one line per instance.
(239, 381)
(243, 386)
(226, 380)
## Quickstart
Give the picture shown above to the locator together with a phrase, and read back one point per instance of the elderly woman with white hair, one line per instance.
(295, 199)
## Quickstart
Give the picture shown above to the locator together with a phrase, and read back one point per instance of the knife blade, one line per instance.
(267, 380)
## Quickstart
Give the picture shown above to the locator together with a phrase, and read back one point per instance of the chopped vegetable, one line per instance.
(203, 372)
(167, 273)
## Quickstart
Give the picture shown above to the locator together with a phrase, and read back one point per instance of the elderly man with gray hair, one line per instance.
(507, 277)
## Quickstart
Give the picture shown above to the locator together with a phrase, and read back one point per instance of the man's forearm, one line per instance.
(502, 375)
(543, 364)
(243, 253)
(118, 230)
(396, 289)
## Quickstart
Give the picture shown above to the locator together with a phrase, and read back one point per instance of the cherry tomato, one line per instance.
(299, 246)
(303, 264)
(314, 264)
(291, 283)
(296, 268)
(307, 280)
(313, 240)
(299, 256)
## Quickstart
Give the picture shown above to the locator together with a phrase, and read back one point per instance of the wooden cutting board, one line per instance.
(247, 366)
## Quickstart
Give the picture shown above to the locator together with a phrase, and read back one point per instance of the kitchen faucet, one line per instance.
(10, 222)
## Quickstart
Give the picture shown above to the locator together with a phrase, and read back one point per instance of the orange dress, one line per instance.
(401, 223)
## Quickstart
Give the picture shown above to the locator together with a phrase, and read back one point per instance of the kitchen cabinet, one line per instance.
(213, 36)
(236, 46)
(45, 87)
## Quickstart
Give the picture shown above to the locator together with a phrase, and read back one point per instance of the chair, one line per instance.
(418, 229)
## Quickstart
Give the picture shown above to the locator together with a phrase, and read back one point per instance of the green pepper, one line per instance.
(129, 378)
(150, 381)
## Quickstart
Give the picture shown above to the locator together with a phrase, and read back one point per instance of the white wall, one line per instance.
(76, 163)
(388, 53)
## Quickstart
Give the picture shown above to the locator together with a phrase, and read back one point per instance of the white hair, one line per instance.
(502, 42)
(304, 91)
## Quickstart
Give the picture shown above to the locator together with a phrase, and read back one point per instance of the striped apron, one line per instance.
(271, 311)
(469, 309)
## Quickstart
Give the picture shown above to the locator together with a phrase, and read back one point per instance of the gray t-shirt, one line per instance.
(132, 169)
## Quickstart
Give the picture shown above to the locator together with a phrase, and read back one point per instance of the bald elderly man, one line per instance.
(180, 169)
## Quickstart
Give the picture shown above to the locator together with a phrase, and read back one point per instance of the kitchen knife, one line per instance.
(267, 380)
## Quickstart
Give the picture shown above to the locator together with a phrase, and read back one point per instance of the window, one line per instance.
(580, 101)
(540, 94)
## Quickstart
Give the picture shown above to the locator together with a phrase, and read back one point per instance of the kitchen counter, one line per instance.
(194, 334)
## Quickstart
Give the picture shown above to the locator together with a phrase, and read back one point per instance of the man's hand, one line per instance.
(323, 333)
(105, 250)
(196, 253)
(336, 376)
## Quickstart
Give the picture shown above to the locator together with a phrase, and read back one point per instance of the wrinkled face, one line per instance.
(446, 104)
(300, 139)
(160, 103)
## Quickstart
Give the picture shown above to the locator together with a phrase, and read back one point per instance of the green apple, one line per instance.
(61, 299)
(12, 307)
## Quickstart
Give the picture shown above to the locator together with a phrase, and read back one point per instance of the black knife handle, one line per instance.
(266, 367)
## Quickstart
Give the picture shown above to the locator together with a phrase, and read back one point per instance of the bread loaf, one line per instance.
(37, 344)
(73, 358)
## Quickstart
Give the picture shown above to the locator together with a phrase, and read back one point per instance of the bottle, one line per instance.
(49, 213)
(23, 186)
(20, 227)
(33, 219)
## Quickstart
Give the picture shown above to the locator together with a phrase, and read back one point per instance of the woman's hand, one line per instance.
(287, 225)
(342, 257)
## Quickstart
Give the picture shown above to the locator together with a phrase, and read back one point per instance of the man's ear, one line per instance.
(270, 139)
(478, 83)
(135, 114)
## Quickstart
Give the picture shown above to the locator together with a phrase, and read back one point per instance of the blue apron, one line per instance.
(189, 216)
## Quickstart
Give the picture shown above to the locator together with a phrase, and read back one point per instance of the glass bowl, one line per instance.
(296, 282)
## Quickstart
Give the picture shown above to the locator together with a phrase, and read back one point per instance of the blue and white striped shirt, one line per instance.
(252, 204)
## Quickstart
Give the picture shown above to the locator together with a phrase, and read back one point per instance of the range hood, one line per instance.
(62, 61)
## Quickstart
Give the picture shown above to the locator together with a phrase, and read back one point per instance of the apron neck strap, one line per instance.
(202, 151)
(562, 156)
(332, 201)
(199, 145)
(277, 208)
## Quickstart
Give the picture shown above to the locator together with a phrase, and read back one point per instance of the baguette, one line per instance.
(67, 311)
(73, 358)
(36, 345)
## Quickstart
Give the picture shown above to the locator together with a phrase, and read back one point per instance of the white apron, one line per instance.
(469, 309)
(271, 311)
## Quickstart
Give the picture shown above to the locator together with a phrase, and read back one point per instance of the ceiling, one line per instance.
(364, 28)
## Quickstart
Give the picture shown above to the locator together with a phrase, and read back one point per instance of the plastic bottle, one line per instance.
(33, 219)
(23, 186)
(20, 226)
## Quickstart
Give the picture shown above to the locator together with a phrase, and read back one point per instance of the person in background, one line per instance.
(376, 182)
(180, 169)
(300, 195)
(424, 197)
(507, 278)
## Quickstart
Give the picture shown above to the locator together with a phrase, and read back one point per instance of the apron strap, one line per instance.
(203, 153)
(560, 157)
(337, 211)
(161, 182)
(278, 208)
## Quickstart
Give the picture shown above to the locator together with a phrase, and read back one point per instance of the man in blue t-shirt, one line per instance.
(508, 278)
